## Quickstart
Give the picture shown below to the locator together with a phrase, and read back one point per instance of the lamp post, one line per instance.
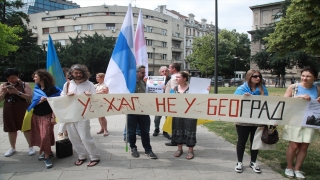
(153, 55)
(38, 58)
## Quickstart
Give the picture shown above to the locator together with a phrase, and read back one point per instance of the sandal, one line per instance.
(106, 133)
(95, 163)
(178, 153)
(100, 132)
(190, 155)
(79, 162)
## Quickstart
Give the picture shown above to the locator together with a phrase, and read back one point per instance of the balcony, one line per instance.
(177, 38)
(189, 46)
(177, 49)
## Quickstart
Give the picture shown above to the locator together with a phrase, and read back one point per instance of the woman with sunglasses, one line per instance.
(300, 138)
(252, 86)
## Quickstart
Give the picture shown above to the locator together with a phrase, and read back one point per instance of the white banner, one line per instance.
(155, 84)
(221, 107)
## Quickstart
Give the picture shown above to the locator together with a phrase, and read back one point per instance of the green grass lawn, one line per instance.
(32, 86)
(276, 159)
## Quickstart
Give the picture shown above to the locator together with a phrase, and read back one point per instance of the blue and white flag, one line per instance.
(121, 72)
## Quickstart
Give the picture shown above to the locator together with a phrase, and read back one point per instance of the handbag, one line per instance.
(64, 148)
(270, 136)
(257, 143)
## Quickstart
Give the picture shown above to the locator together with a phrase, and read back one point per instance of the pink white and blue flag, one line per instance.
(140, 44)
(121, 72)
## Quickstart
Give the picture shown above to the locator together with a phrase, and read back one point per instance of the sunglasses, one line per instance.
(255, 77)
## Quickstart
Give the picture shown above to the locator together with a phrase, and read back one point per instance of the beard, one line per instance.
(78, 78)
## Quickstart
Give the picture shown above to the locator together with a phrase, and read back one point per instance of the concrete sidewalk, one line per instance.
(214, 159)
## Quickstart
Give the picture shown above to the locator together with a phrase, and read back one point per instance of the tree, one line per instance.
(8, 15)
(93, 51)
(278, 61)
(8, 38)
(231, 44)
(298, 30)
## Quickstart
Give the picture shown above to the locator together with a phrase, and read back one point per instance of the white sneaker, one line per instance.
(31, 151)
(255, 167)
(299, 174)
(289, 173)
(10, 152)
(238, 167)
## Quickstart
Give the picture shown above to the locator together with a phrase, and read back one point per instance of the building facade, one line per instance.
(163, 47)
(35, 6)
(191, 29)
(262, 15)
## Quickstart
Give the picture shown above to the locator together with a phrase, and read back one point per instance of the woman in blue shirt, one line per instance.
(252, 86)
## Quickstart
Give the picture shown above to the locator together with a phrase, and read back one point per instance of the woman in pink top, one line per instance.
(101, 88)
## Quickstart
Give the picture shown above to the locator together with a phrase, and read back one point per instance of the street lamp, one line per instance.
(153, 55)
(235, 68)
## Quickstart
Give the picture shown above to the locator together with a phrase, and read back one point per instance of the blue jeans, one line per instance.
(144, 123)
(157, 122)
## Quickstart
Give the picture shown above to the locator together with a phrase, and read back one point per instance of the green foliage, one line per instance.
(231, 45)
(93, 51)
(8, 15)
(8, 39)
(299, 30)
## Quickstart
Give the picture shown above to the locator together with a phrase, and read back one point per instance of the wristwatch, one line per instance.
(20, 93)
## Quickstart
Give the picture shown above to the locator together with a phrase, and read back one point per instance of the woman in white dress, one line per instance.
(101, 88)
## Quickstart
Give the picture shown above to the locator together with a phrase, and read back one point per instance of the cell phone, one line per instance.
(9, 86)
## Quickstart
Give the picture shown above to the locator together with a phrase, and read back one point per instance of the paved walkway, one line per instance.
(214, 159)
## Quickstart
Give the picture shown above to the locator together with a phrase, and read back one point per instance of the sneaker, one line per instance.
(255, 167)
(289, 173)
(151, 155)
(48, 163)
(31, 151)
(156, 132)
(238, 167)
(10, 152)
(60, 136)
(41, 157)
(134, 152)
(299, 174)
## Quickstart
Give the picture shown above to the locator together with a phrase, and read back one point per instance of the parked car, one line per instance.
(317, 82)
(220, 81)
(236, 82)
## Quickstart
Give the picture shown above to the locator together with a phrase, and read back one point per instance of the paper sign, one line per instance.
(312, 115)
(155, 84)
(199, 85)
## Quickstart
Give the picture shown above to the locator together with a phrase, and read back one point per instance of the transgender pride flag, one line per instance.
(140, 44)
(121, 72)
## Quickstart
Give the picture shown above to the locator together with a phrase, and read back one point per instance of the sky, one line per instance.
(232, 14)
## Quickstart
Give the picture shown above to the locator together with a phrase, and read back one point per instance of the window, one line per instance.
(90, 14)
(45, 19)
(110, 25)
(198, 34)
(62, 42)
(177, 46)
(177, 26)
(149, 17)
(266, 17)
(164, 44)
(149, 42)
(165, 21)
(177, 34)
(77, 15)
(78, 27)
(255, 18)
(110, 13)
(164, 56)
(164, 32)
(61, 29)
(45, 30)
(149, 29)
(90, 27)
(150, 55)
(60, 17)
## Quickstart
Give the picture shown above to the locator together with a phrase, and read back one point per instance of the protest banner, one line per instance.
(155, 84)
(218, 107)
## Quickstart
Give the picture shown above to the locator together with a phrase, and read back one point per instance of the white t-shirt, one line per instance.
(99, 87)
(79, 88)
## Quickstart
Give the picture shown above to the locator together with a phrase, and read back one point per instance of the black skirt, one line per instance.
(184, 131)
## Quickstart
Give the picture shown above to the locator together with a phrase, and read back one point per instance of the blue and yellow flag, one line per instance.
(53, 65)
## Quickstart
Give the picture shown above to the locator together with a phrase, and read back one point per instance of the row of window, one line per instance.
(162, 56)
(109, 26)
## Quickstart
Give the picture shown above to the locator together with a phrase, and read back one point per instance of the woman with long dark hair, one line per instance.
(43, 118)
(252, 86)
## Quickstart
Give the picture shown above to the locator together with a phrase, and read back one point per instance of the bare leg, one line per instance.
(27, 135)
(13, 139)
(190, 153)
(291, 153)
(303, 148)
(103, 124)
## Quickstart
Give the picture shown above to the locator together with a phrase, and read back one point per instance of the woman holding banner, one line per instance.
(252, 86)
(101, 88)
(299, 137)
(43, 119)
(183, 129)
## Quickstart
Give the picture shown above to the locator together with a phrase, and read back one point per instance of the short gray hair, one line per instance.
(139, 67)
(162, 67)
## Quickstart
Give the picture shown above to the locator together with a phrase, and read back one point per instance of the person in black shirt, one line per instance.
(43, 119)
